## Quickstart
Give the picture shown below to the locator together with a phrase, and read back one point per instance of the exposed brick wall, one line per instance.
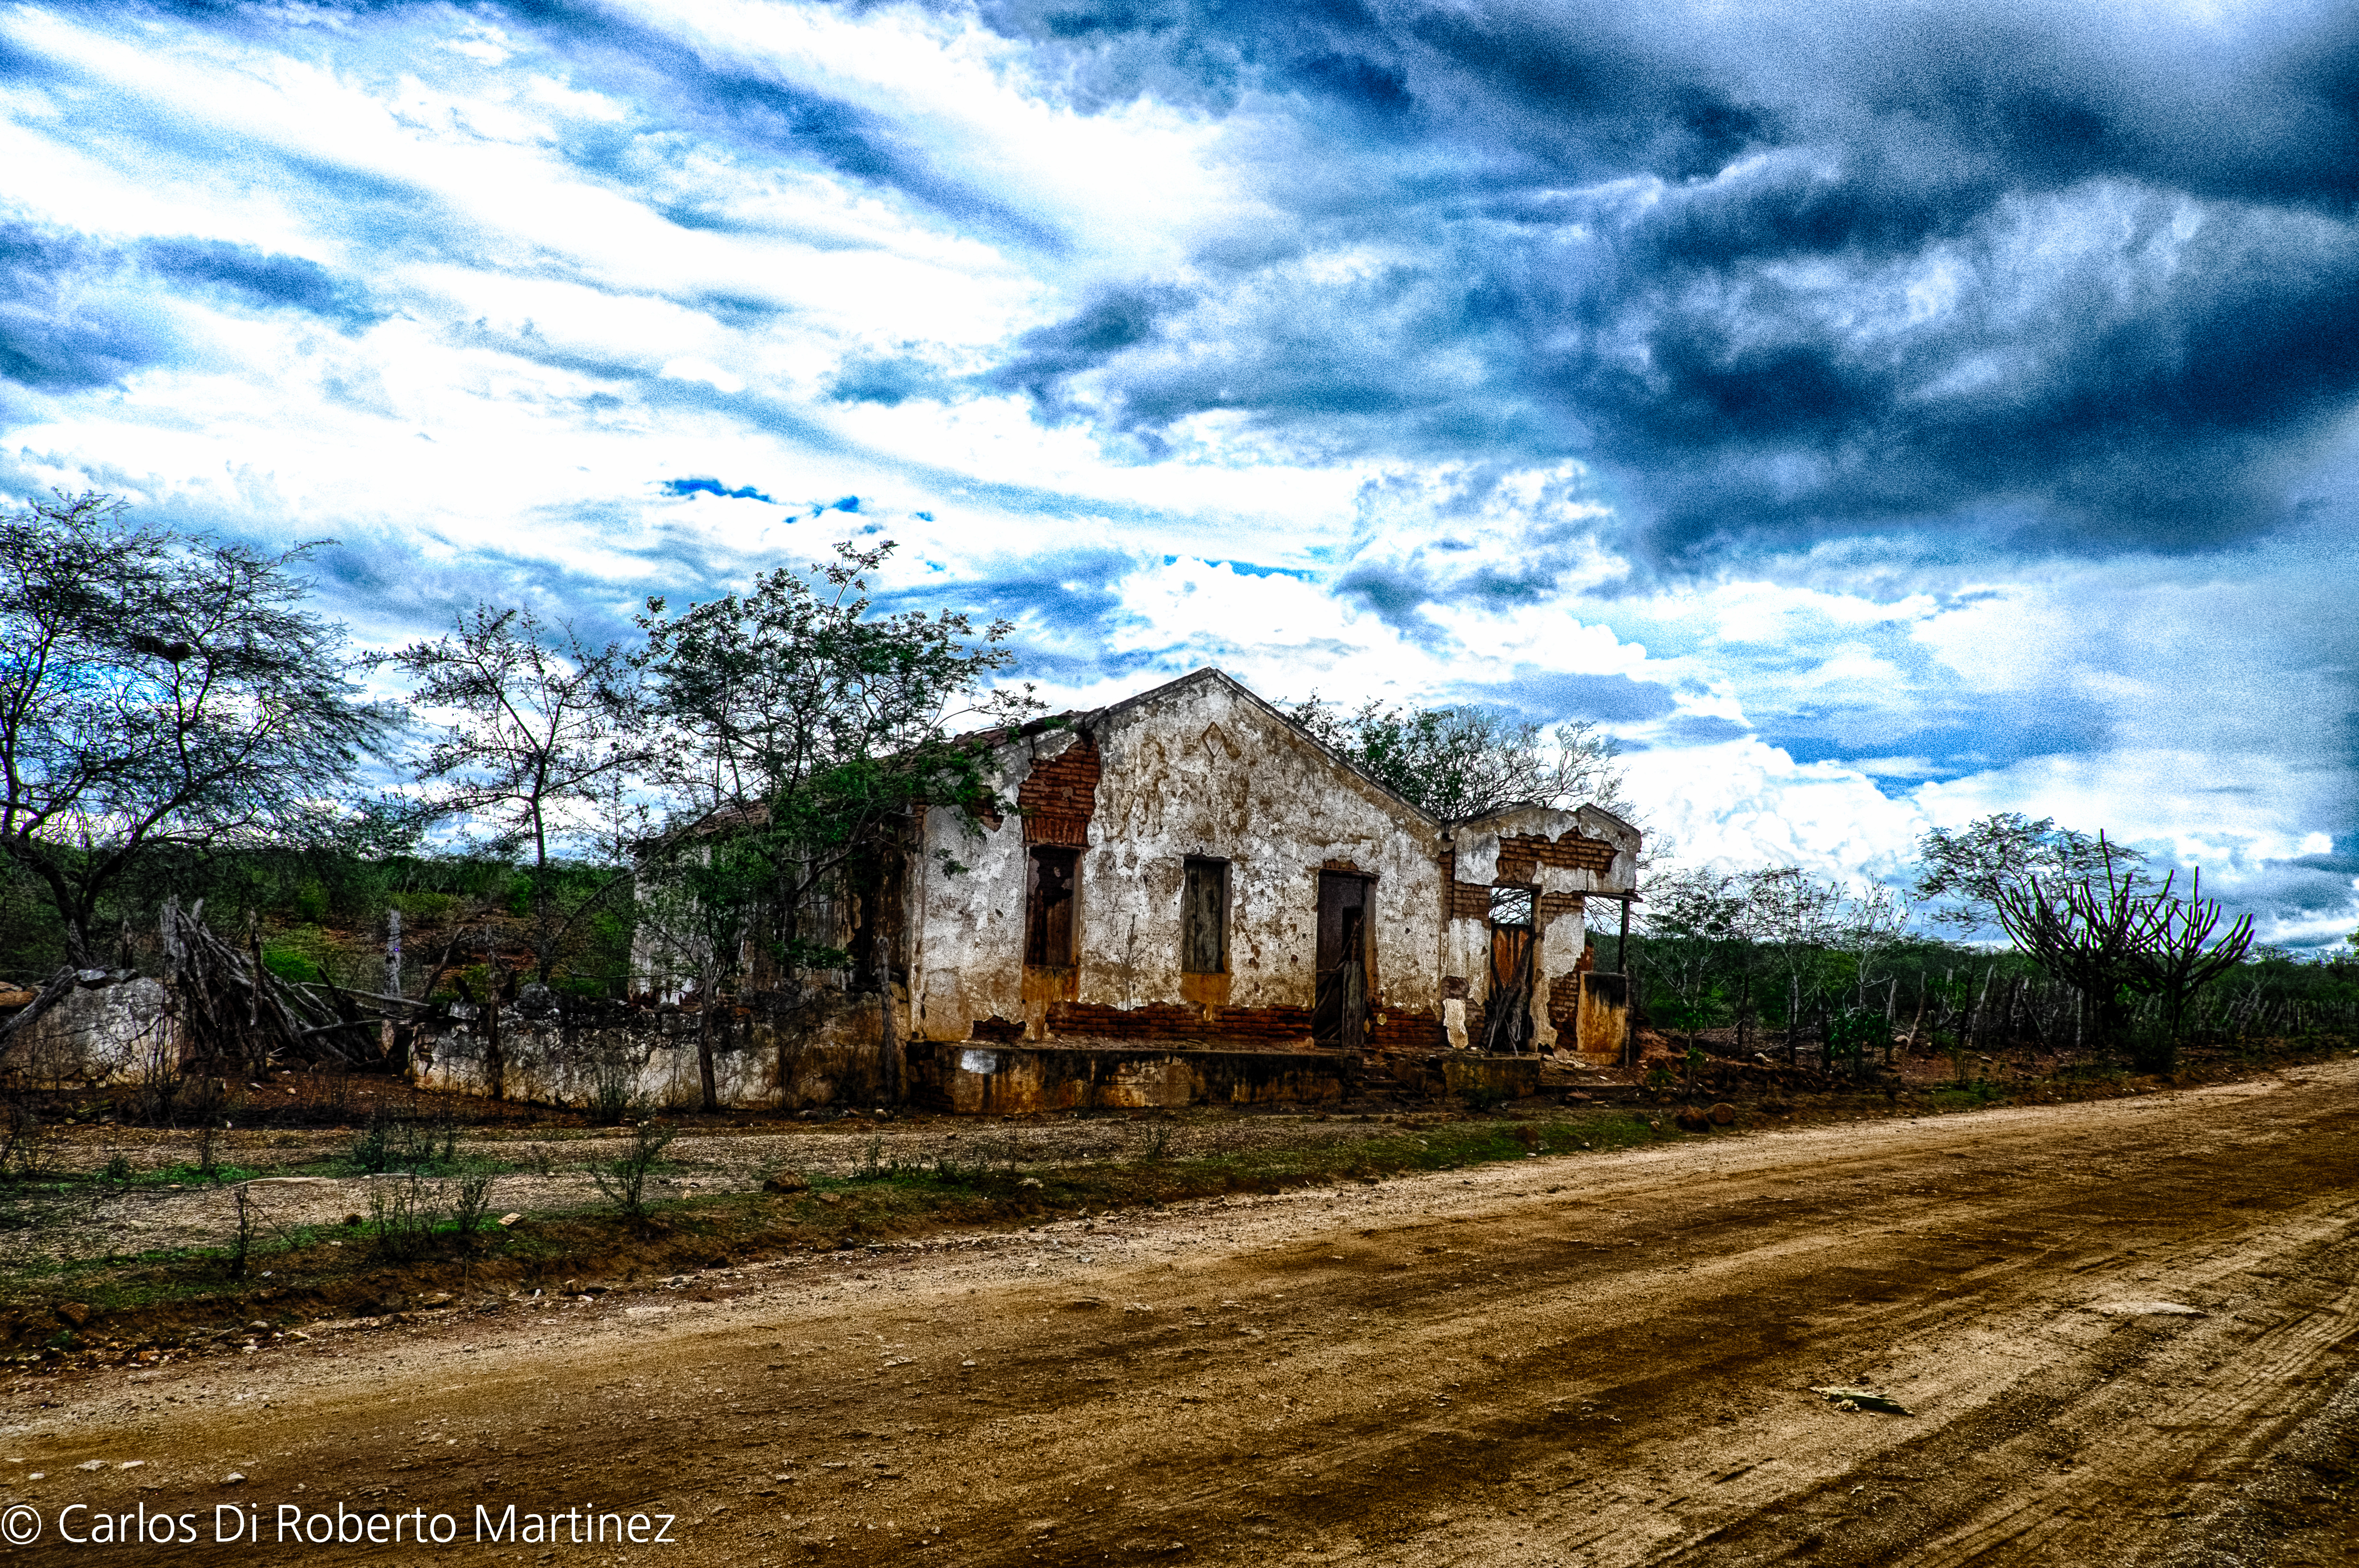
(1556, 906)
(1269, 1028)
(1571, 852)
(1061, 795)
(1564, 1001)
(1408, 1032)
(1245, 1028)
(1470, 901)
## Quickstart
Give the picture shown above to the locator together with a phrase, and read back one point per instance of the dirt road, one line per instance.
(1590, 1359)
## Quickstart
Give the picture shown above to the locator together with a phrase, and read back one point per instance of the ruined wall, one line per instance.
(1569, 857)
(1203, 770)
(647, 1056)
(110, 1032)
(973, 1078)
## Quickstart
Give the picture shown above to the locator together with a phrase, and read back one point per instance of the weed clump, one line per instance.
(389, 1143)
(624, 1182)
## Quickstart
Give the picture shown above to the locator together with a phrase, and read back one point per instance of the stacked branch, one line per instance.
(230, 1008)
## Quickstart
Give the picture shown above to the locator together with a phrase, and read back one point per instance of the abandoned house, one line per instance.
(1193, 900)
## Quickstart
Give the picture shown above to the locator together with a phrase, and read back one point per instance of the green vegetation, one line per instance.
(424, 1232)
(1772, 960)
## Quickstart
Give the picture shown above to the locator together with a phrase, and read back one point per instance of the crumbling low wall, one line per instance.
(1186, 1026)
(1447, 1074)
(1011, 1079)
(108, 1032)
(647, 1056)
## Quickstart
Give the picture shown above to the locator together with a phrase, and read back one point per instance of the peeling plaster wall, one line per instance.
(1570, 857)
(1201, 769)
(1209, 773)
(966, 951)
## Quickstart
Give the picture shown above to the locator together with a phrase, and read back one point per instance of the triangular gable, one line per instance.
(1210, 674)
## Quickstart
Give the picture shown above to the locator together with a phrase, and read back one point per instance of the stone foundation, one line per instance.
(1008, 1079)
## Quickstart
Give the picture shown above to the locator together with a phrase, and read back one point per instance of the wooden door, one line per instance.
(1507, 1006)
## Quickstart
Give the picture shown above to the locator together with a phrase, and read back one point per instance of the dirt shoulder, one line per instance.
(1598, 1358)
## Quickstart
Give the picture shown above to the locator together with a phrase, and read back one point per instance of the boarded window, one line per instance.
(1049, 911)
(1204, 918)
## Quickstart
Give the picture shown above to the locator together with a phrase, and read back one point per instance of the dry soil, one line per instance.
(1590, 1359)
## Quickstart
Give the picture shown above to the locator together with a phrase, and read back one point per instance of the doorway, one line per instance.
(1339, 1015)
(1507, 1007)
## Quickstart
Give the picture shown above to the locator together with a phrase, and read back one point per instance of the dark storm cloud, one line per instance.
(77, 312)
(1780, 274)
(66, 321)
(257, 278)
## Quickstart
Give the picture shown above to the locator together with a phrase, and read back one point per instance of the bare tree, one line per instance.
(2114, 937)
(542, 734)
(1465, 761)
(2178, 958)
(159, 690)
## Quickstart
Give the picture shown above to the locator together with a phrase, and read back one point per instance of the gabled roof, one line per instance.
(1089, 718)
(1210, 675)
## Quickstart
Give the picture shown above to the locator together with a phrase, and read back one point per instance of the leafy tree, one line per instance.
(1965, 873)
(542, 738)
(1462, 762)
(1694, 922)
(804, 728)
(159, 692)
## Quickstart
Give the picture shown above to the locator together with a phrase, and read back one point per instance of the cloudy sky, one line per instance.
(1875, 415)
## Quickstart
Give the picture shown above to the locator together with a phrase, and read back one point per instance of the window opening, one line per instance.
(1204, 918)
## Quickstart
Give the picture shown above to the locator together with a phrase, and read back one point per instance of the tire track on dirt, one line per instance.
(1456, 1370)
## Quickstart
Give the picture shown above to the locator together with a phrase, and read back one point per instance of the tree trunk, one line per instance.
(1630, 1018)
(1793, 1018)
(888, 1045)
(708, 1017)
(496, 1061)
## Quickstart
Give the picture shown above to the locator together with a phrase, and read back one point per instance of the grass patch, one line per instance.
(1973, 1097)
(388, 1261)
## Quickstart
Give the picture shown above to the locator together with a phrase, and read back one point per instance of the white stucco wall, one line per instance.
(1201, 770)
(966, 949)
(1210, 771)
